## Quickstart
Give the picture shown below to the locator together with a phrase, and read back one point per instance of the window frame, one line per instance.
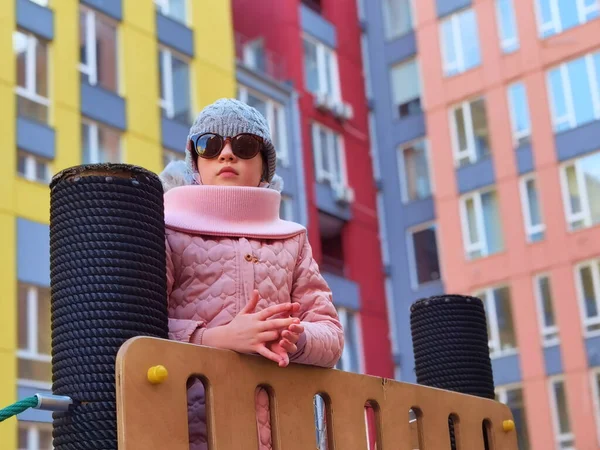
(555, 23)
(559, 438)
(595, 271)
(322, 49)
(167, 104)
(530, 228)
(471, 151)
(94, 140)
(395, 106)
(338, 163)
(287, 207)
(387, 32)
(91, 68)
(164, 8)
(456, 67)
(31, 161)
(490, 309)
(31, 352)
(29, 90)
(550, 335)
(507, 45)
(482, 245)
(584, 215)
(343, 314)
(272, 106)
(594, 374)
(412, 260)
(402, 169)
(517, 135)
(33, 433)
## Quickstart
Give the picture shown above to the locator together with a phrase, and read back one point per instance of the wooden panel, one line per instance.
(155, 416)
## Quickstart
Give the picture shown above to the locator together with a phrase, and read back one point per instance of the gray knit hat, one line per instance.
(228, 117)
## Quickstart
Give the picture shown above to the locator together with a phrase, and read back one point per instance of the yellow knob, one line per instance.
(508, 425)
(157, 374)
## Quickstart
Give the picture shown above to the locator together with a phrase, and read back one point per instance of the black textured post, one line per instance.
(450, 343)
(108, 284)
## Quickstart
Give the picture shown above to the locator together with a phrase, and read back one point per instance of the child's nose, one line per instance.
(227, 152)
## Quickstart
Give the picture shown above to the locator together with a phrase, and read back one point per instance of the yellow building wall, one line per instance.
(212, 75)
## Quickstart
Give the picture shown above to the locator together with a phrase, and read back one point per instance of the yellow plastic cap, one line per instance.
(157, 374)
(508, 425)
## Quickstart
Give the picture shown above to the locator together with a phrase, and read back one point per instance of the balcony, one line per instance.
(251, 53)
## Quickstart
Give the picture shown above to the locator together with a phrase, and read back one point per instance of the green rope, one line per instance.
(18, 407)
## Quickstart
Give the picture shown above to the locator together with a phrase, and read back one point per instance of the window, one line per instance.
(470, 134)
(175, 9)
(332, 244)
(580, 180)
(286, 209)
(406, 88)
(100, 144)
(556, 16)
(414, 173)
(513, 398)
(33, 168)
(397, 18)
(596, 390)
(34, 336)
(328, 151)
(501, 331)
(275, 114)
(424, 262)
(507, 25)
(32, 76)
(350, 360)
(460, 43)
(574, 92)
(175, 94)
(481, 224)
(98, 50)
(41, 2)
(532, 211)
(170, 155)
(519, 114)
(321, 69)
(545, 305)
(560, 414)
(35, 436)
(588, 287)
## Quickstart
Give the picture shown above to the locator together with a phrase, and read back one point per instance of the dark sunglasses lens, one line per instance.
(246, 146)
(208, 145)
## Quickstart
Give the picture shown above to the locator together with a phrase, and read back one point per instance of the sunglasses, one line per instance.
(210, 145)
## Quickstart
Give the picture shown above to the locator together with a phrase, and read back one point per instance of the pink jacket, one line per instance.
(223, 242)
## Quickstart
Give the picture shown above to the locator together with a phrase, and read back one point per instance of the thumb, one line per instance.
(251, 305)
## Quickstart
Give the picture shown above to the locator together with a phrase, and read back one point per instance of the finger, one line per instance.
(285, 361)
(251, 305)
(296, 328)
(295, 307)
(264, 351)
(268, 336)
(277, 324)
(274, 310)
(292, 337)
(288, 346)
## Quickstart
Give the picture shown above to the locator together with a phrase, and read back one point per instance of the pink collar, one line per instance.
(227, 211)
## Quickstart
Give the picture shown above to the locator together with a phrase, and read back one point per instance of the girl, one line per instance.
(240, 278)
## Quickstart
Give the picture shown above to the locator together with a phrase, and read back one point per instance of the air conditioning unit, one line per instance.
(343, 194)
(321, 101)
(343, 111)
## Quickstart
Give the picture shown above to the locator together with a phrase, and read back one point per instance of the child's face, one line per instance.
(229, 170)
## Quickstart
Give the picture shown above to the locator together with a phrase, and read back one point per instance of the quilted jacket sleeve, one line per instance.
(183, 330)
(323, 339)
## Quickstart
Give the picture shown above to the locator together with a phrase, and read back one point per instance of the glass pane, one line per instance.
(596, 58)
(161, 75)
(559, 102)
(416, 172)
(397, 19)
(459, 120)
(573, 190)
(449, 48)
(330, 74)
(546, 18)
(589, 295)
(519, 108)
(276, 132)
(23, 442)
(41, 69)
(31, 110)
(506, 329)
(426, 255)
(508, 27)
(567, 11)
(590, 167)
(34, 370)
(514, 400)
(472, 221)
(533, 203)
(352, 343)
(43, 322)
(338, 159)
(492, 222)
(177, 10)
(257, 103)
(405, 83)
(22, 314)
(20, 49)
(470, 39)
(564, 424)
(109, 148)
(480, 128)
(581, 92)
(106, 54)
(311, 70)
(86, 150)
(547, 304)
(323, 138)
(21, 164)
(41, 170)
(181, 91)
(82, 38)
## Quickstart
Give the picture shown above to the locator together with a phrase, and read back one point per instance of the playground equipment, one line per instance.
(121, 384)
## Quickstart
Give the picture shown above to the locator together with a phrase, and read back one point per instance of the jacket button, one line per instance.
(248, 257)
